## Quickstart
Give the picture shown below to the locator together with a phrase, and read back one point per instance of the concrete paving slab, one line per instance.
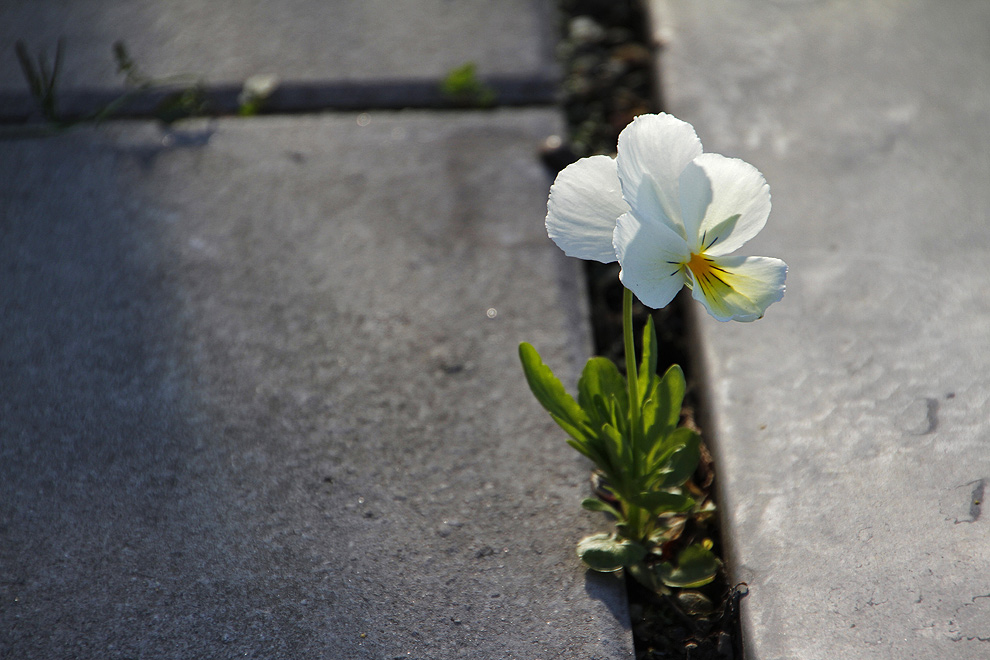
(259, 395)
(299, 41)
(852, 422)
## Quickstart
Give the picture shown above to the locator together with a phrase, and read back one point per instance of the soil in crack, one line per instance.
(608, 59)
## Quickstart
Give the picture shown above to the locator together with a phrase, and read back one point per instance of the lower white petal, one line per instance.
(652, 256)
(739, 288)
(584, 203)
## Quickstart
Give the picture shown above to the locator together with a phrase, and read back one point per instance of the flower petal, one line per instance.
(652, 256)
(653, 151)
(739, 288)
(725, 201)
(584, 203)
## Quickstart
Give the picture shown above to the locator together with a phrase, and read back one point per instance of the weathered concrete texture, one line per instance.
(852, 422)
(227, 41)
(259, 395)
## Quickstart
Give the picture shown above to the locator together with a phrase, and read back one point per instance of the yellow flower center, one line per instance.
(712, 278)
(700, 266)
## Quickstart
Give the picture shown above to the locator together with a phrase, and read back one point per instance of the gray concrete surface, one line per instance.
(259, 395)
(300, 41)
(853, 422)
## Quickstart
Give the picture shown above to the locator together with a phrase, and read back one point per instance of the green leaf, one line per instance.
(653, 432)
(583, 447)
(590, 449)
(672, 388)
(682, 462)
(589, 445)
(615, 469)
(696, 567)
(601, 378)
(658, 502)
(619, 419)
(648, 363)
(662, 410)
(550, 393)
(578, 434)
(607, 553)
(598, 411)
(595, 504)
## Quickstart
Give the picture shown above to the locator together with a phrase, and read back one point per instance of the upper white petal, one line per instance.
(746, 286)
(653, 151)
(584, 203)
(726, 202)
(651, 254)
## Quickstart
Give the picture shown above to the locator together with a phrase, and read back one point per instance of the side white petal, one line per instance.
(651, 255)
(732, 210)
(653, 151)
(740, 288)
(584, 203)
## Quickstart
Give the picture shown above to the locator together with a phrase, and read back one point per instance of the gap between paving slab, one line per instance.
(326, 54)
(260, 395)
(851, 423)
(290, 98)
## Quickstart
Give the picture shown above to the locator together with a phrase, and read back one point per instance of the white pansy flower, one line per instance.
(671, 215)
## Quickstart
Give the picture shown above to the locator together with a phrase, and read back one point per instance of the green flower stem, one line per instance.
(630, 346)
